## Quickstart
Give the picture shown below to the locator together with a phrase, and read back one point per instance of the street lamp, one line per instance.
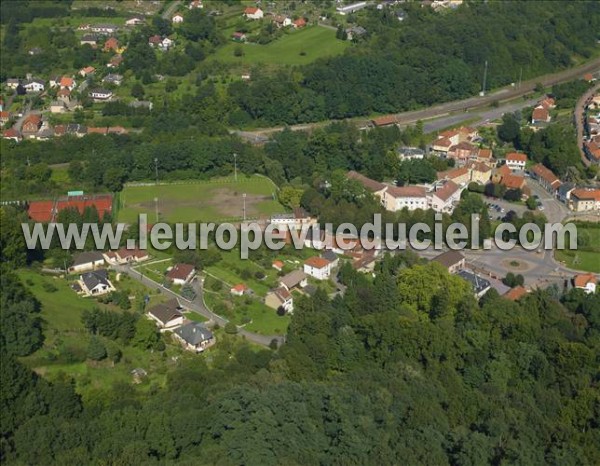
(156, 168)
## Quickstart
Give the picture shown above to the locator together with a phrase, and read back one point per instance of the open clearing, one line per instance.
(219, 199)
(586, 258)
(313, 42)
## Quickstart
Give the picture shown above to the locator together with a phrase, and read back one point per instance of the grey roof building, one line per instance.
(92, 279)
(195, 335)
(480, 285)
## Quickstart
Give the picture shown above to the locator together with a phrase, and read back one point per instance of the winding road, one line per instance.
(579, 116)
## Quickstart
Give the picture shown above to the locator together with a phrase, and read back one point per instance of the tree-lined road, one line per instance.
(579, 116)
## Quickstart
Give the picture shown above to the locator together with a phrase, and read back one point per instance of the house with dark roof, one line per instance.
(167, 315)
(95, 283)
(194, 337)
(180, 274)
(87, 260)
(452, 260)
(479, 284)
(294, 279)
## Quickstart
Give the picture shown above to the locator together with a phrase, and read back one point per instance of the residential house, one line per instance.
(278, 265)
(67, 82)
(317, 267)
(4, 117)
(409, 197)
(410, 153)
(516, 293)
(479, 284)
(104, 29)
(331, 257)
(485, 156)
(516, 161)
(95, 283)
(444, 196)
(546, 178)
(299, 23)
(115, 61)
(154, 41)
(238, 37)
(177, 18)
(451, 260)
(296, 279)
(34, 85)
(181, 274)
(125, 256)
(196, 4)
(31, 125)
(75, 129)
(460, 176)
(114, 79)
(88, 260)
(592, 149)
(462, 152)
(101, 95)
(355, 32)
(194, 336)
(442, 145)
(64, 95)
(87, 71)
(375, 187)
(89, 39)
(166, 44)
(134, 21)
(84, 27)
(252, 12)
(280, 298)
(238, 290)
(586, 282)
(513, 182)
(540, 116)
(583, 200)
(281, 21)
(500, 172)
(141, 104)
(168, 315)
(12, 134)
(12, 83)
(111, 44)
(479, 172)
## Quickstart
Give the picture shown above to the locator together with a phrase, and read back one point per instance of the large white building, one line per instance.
(397, 198)
(317, 267)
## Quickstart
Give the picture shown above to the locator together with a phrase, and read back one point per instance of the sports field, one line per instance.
(296, 48)
(215, 200)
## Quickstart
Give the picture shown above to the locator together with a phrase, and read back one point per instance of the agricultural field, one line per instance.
(296, 48)
(219, 199)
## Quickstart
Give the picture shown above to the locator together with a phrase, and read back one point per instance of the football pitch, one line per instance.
(215, 200)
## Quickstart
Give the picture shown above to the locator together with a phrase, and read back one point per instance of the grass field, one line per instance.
(586, 258)
(218, 199)
(296, 48)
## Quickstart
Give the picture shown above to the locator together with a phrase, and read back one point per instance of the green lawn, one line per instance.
(586, 258)
(218, 199)
(313, 41)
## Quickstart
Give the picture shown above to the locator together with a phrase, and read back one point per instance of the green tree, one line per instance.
(96, 350)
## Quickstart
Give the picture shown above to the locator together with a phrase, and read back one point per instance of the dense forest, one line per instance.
(406, 368)
(429, 59)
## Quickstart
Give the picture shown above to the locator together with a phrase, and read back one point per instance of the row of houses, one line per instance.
(37, 128)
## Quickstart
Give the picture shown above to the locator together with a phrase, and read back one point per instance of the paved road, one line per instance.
(197, 305)
(579, 116)
(472, 103)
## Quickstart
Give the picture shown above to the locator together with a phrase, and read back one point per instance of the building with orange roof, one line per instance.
(545, 177)
(317, 267)
(586, 282)
(111, 44)
(444, 196)
(385, 120)
(278, 265)
(513, 182)
(516, 160)
(516, 293)
(396, 198)
(299, 23)
(583, 200)
(239, 289)
(540, 116)
(253, 12)
(458, 175)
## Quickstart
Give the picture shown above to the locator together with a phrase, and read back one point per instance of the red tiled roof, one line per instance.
(540, 113)
(383, 120)
(442, 142)
(513, 181)
(300, 22)
(478, 166)
(546, 174)
(446, 191)
(240, 288)
(368, 183)
(250, 10)
(485, 153)
(111, 44)
(588, 77)
(581, 193)
(278, 264)
(11, 133)
(582, 280)
(406, 191)
(65, 81)
(156, 39)
(40, 211)
(180, 271)
(503, 170)
(516, 157)
(516, 293)
(317, 262)
(453, 173)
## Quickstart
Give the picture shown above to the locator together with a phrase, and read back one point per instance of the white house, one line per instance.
(167, 315)
(348, 9)
(280, 298)
(317, 267)
(88, 260)
(444, 196)
(177, 18)
(125, 256)
(587, 282)
(34, 85)
(411, 153)
(397, 198)
(180, 274)
(101, 94)
(238, 290)
(135, 21)
(95, 283)
(12, 83)
(253, 13)
(196, 4)
(516, 161)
